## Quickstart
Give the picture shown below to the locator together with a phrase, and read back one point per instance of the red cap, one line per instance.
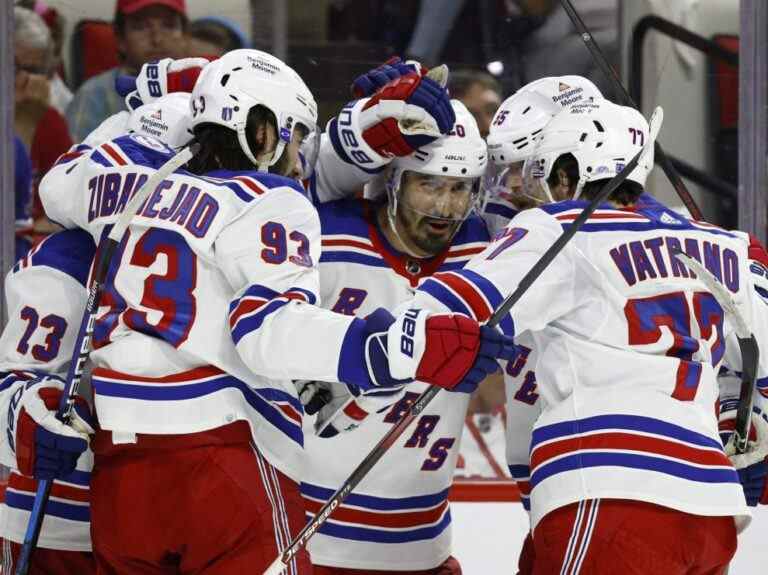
(129, 7)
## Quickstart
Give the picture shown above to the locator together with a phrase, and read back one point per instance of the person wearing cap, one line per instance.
(146, 30)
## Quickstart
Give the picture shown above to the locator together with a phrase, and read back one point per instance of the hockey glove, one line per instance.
(366, 84)
(45, 447)
(407, 113)
(752, 465)
(341, 408)
(158, 79)
(364, 359)
(448, 350)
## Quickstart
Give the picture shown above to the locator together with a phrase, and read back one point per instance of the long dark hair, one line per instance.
(221, 148)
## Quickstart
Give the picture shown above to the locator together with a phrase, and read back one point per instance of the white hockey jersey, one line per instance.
(399, 518)
(210, 261)
(628, 342)
(45, 297)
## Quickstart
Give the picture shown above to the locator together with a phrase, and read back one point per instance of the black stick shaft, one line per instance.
(423, 400)
(602, 62)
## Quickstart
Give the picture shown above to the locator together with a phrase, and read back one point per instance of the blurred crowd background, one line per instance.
(492, 47)
(681, 54)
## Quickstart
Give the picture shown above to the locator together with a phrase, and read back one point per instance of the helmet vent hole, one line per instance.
(598, 145)
(526, 110)
(237, 69)
(235, 98)
(536, 132)
(598, 125)
(589, 169)
(224, 79)
(583, 137)
(463, 170)
(445, 168)
(516, 142)
(237, 108)
(502, 158)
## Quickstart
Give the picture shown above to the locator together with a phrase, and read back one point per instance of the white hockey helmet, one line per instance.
(524, 114)
(564, 90)
(462, 153)
(517, 122)
(603, 137)
(166, 119)
(229, 87)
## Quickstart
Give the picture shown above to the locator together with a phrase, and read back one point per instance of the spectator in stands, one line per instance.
(61, 95)
(214, 36)
(42, 129)
(145, 30)
(555, 47)
(479, 92)
(433, 26)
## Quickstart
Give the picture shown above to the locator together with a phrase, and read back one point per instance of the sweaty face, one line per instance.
(431, 209)
(151, 34)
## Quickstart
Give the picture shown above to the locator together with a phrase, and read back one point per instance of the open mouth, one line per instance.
(438, 227)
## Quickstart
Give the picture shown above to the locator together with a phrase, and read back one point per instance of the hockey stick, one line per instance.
(82, 348)
(750, 353)
(601, 61)
(282, 561)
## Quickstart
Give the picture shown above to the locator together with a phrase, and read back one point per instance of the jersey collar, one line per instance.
(411, 268)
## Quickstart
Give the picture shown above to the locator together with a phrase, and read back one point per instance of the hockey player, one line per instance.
(512, 139)
(45, 297)
(375, 253)
(628, 474)
(199, 446)
(45, 294)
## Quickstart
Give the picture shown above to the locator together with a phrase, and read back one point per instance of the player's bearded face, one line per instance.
(431, 209)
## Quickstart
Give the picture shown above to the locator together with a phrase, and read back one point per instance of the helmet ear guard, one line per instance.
(522, 116)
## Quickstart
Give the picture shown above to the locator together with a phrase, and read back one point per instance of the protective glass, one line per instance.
(450, 199)
(534, 181)
(505, 182)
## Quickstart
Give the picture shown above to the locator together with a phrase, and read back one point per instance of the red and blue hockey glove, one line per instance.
(340, 408)
(158, 79)
(752, 465)
(45, 448)
(364, 356)
(366, 84)
(407, 113)
(448, 350)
